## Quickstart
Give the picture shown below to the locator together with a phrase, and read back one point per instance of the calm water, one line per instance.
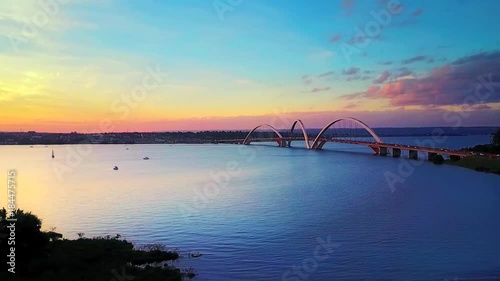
(275, 208)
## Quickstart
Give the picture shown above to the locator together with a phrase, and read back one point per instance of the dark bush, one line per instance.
(482, 169)
(438, 160)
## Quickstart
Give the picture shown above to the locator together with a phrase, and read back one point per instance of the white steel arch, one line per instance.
(304, 132)
(263, 125)
(372, 133)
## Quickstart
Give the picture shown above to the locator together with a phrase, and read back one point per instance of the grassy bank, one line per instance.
(481, 164)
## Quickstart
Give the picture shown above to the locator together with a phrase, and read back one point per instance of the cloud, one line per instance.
(481, 106)
(418, 12)
(326, 74)
(385, 62)
(483, 56)
(371, 92)
(463, 81)
(336, 38)
(357, 77)
(318, 119)
(417, 59)
(350, 105)
(406, 22)
(404, 72)
(317, 90)
(347, 6)
(351, 71)
(360, 39)
(306, 79)
(382, 78)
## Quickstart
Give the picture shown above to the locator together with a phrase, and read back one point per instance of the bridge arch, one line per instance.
(263, 125)
(359, 122)
(304, 132)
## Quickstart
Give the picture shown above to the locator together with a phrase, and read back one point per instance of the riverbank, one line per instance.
(477, 163)
(31, 254)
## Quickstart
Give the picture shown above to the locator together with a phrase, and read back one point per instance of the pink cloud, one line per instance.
(372, 91)
(350, 71)
(458, 83)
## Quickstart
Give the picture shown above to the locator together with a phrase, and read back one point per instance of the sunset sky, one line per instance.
(75, 65)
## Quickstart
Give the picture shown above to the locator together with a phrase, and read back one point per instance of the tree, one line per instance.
(438, 159)
(495, 140)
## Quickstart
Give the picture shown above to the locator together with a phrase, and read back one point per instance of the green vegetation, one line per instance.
(495, 139)
(438, 159)
(493, 147)
(481, 164)
(44, 256)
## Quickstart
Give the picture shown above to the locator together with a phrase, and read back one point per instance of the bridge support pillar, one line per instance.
(413, 154)
(431, 155)
(454, 158)
(396, 152)
(383, 151)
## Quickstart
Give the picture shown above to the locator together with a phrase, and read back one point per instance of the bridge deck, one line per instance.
(450, 152)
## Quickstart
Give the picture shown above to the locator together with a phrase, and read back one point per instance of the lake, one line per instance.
(261, 212)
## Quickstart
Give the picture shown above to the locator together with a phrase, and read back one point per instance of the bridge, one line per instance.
(352, 128)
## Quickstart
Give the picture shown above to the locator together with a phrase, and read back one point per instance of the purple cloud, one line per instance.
(316, 90)
(335, 38)
(416, 59)
(418, 12)
(347, 6)
(351, 71)
(470, 80)
(382, 78)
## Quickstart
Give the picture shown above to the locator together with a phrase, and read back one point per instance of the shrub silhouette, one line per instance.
(46, 256)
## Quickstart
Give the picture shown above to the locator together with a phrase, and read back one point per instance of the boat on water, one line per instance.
(146, 158)
(53, 156)
(115, 168)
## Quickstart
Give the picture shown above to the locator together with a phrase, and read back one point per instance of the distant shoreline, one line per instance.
(204, 137)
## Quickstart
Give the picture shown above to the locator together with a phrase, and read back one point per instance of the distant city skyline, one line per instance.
(100, 66)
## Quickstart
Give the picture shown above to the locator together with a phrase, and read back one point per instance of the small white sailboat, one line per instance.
(53, 156)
